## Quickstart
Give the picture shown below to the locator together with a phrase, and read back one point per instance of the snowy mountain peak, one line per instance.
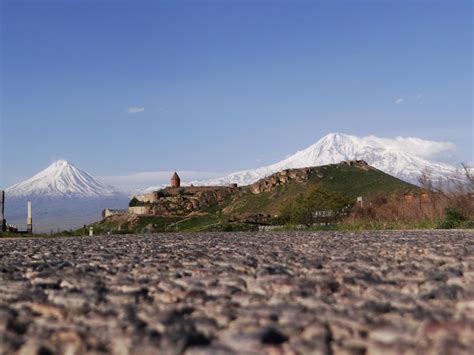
(403, 157)
(61, 163)
(61, 178)
(336, 136)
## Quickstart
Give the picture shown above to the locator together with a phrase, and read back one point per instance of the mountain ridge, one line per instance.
(381, 153)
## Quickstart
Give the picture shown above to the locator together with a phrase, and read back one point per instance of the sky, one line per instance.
(122, 87)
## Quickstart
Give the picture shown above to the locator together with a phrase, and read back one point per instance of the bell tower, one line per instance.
(175, 180)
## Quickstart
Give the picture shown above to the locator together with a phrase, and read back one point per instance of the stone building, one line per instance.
(175, 180)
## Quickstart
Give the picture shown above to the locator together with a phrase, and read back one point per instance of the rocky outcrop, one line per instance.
(301, 175)
(268, 184)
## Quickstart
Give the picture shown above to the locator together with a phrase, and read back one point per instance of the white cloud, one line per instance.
(398, 100)
(135, 109)
(423, 148)
(419, 97)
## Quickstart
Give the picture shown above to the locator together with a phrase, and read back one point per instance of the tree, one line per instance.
(135, 202)
(469, 174)
(162, 193)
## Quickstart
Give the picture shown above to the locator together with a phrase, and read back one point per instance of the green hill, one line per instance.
(245, 207)
(351, 179)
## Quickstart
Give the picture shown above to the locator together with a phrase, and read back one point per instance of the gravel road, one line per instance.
(220, 293)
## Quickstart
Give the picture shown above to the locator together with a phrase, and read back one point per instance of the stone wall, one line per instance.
(140, 210)
(150, 197)
(110, 212)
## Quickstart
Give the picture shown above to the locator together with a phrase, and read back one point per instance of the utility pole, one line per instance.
(29, 220)
(2, 211)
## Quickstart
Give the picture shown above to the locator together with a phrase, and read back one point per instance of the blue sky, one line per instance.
(127, 86)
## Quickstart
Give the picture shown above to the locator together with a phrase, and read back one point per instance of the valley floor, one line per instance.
(288, 292)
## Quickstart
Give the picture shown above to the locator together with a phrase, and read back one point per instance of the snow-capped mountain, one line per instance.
(404, 158)
(62, 178)
(63, 196)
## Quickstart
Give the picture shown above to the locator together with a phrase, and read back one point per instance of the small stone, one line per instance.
(68, 342)
(272, 336)
(47, 310)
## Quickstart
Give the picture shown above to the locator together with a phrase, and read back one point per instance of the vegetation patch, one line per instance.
(453, 218)
(134, 202)
(318, 205)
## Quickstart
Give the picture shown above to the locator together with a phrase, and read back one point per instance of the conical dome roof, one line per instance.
(175, 176)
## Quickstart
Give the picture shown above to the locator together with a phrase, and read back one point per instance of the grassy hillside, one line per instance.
(238, 211)
(350, 181)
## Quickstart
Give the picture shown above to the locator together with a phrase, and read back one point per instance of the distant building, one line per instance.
(175, 180)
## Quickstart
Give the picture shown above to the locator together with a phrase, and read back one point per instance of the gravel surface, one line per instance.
(219, 293)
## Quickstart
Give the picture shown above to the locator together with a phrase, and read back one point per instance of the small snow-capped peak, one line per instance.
(62, 178)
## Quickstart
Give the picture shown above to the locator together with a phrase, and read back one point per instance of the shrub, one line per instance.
(134, 202)
(227, 228)
(452, 218)
(162, 193)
